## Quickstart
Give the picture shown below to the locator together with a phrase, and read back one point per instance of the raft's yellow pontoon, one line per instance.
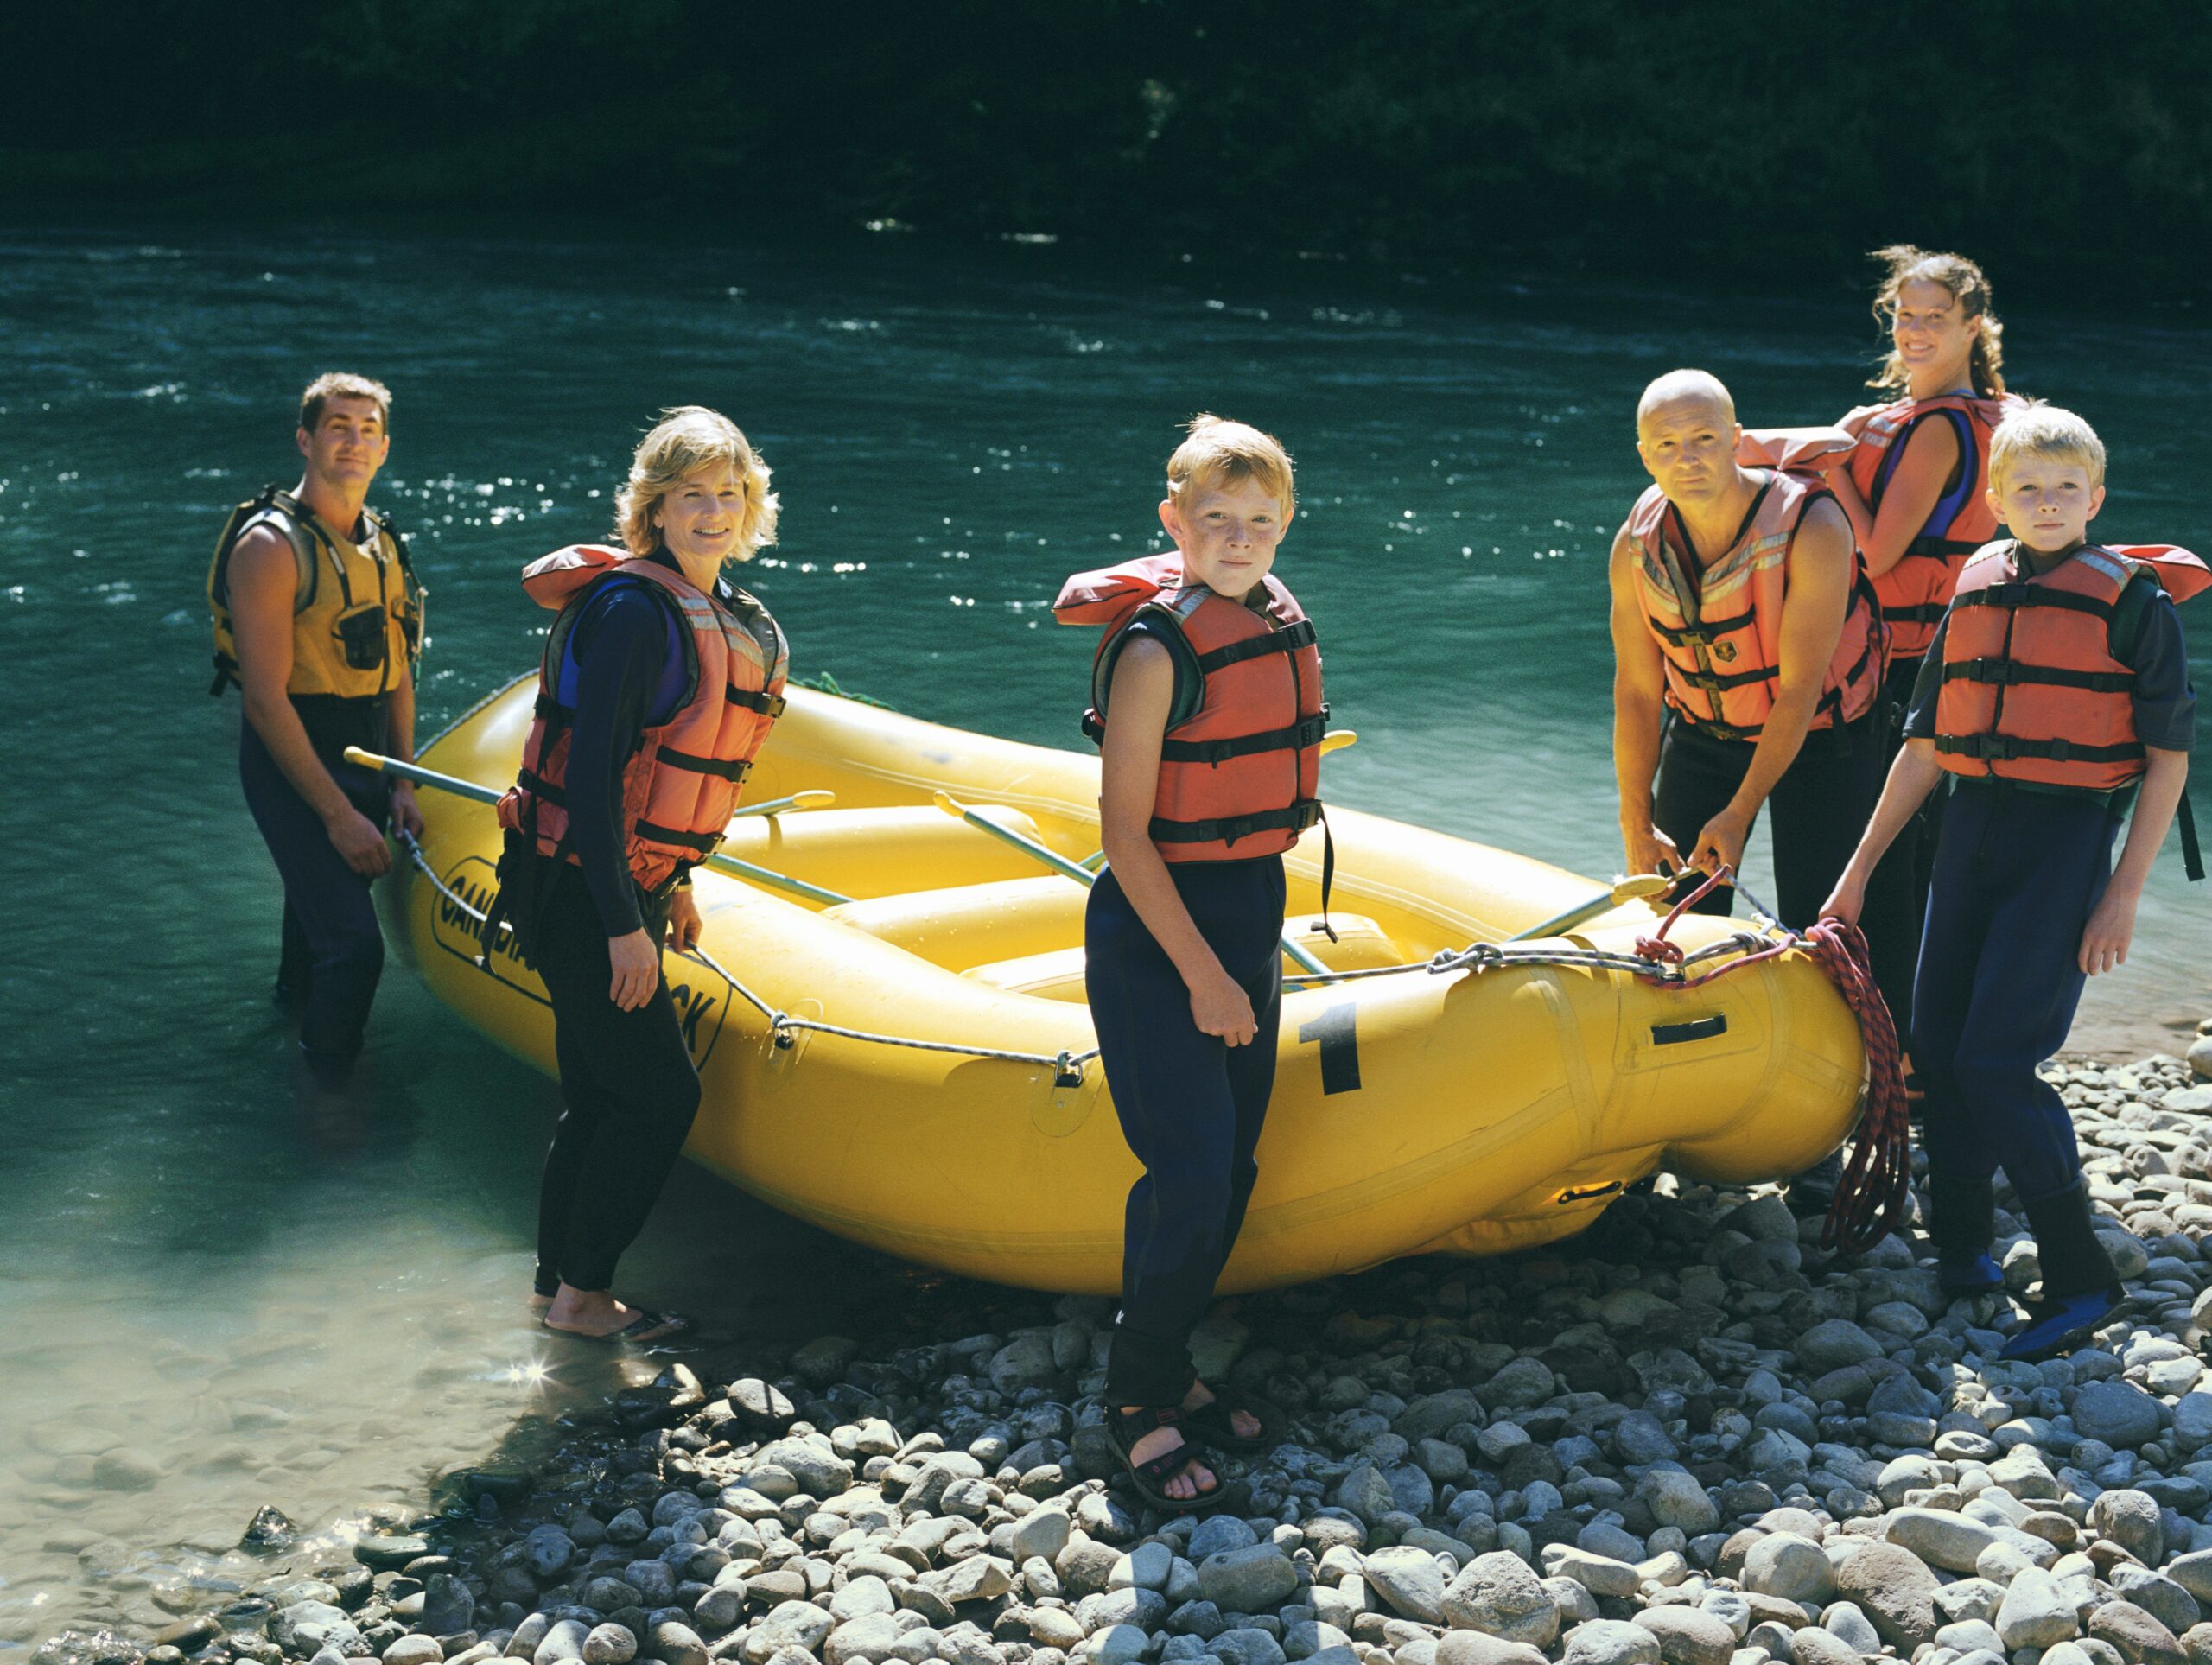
(1474, 1111)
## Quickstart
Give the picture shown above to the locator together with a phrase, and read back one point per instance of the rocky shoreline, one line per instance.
(1688, 1437)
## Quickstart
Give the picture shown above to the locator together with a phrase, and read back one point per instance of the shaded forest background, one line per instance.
(1632, 140)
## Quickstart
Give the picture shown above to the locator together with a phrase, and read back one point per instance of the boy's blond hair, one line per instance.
(2050, 434)
(341, 385)
(686, 440)
(1220, 453)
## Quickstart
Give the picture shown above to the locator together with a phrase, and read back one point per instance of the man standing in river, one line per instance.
(318, 621)
(1747, 659)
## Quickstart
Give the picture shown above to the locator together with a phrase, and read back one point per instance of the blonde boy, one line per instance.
(2054, 693)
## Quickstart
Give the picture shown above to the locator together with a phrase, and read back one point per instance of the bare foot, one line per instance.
(597, 1314)
(1196, 1478)
(1242, 1423)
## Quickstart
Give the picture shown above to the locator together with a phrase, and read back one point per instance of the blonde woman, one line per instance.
(659, 684)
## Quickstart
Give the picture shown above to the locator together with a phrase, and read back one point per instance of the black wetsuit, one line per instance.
(631, 1087)
(332, 952)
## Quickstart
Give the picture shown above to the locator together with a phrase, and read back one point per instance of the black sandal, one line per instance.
(1215, 1422)
(1149, 1479)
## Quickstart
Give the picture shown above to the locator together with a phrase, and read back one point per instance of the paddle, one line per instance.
(720, 863)
(1076, 871)
(1634, 887)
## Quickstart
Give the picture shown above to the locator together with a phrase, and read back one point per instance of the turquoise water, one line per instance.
(208, 1294)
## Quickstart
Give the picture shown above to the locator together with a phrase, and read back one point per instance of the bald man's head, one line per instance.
(1687, 388)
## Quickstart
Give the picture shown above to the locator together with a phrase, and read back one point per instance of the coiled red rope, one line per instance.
(1871, 1197)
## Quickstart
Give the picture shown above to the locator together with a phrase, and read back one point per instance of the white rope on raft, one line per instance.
(1067, 1067)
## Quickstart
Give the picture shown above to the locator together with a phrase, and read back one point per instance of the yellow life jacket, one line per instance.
(357, 609)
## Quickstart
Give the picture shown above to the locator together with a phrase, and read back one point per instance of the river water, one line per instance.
(208, 1302)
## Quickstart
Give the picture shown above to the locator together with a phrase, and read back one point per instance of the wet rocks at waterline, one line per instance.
(1691, 1438)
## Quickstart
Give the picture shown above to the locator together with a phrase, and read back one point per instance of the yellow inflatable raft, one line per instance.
(1485, 1108)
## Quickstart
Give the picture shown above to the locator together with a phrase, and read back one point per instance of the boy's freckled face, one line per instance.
(1227, 534)
(2046, 502)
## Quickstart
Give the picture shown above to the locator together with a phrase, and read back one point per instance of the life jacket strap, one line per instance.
(2004, 748)
(2192, 858)
(702, 843)
(770, 706)
(2020, 594)
(1227, 830)
(674, 760)
(1704, 634)
(2005, 673)
(1306, 732)
(539, 787)
(1713, 682)
(1919, 612)
(1289, 640)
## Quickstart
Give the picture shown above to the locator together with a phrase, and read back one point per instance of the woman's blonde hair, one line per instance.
(686, 440)
(1220, 453)
(1967, 286)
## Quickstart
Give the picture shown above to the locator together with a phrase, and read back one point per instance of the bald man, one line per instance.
(1747, 659)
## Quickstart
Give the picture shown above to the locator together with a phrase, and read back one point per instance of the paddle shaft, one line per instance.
(469, 789)
(1081, 874)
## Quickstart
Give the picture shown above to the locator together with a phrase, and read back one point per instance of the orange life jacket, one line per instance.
(681, 785)
(2032, 690)
(1240, 773)
(1914, 592)
(1720, 634)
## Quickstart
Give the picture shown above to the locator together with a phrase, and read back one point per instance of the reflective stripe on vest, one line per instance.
(681, 786)
(1720, 637)
(1239, 777)
(1914, 593)
(2032, 689)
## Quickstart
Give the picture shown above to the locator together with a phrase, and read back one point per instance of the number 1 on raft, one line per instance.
(1339, 1039)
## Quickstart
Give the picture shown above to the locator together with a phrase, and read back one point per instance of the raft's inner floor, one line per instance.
(1000, 918)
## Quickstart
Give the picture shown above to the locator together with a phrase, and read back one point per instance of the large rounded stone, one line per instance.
(1941, 1537)
(790, 1624)
(1500, 1596)
(1690, 1635)
(609, 1644)
(1809, 1645)
(1410, 1580)
(1895, 1589)
(2119, 1413)
(1676, 1499)
(1611, 1642)
(2130, 1519)
(871, 1636)
(2036, 1612)
(1479, 1648)
(1256, 1579)
(1795, 1568)
(2138, 1636)
(1833, 1345)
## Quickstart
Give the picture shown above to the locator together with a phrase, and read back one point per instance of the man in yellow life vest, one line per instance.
(317, 621)
(1747, 660)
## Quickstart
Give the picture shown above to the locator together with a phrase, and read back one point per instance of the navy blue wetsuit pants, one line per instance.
(333, 951)
(1897, 894)
(2016, 876)
(631, 1089)
(1191, 1105)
